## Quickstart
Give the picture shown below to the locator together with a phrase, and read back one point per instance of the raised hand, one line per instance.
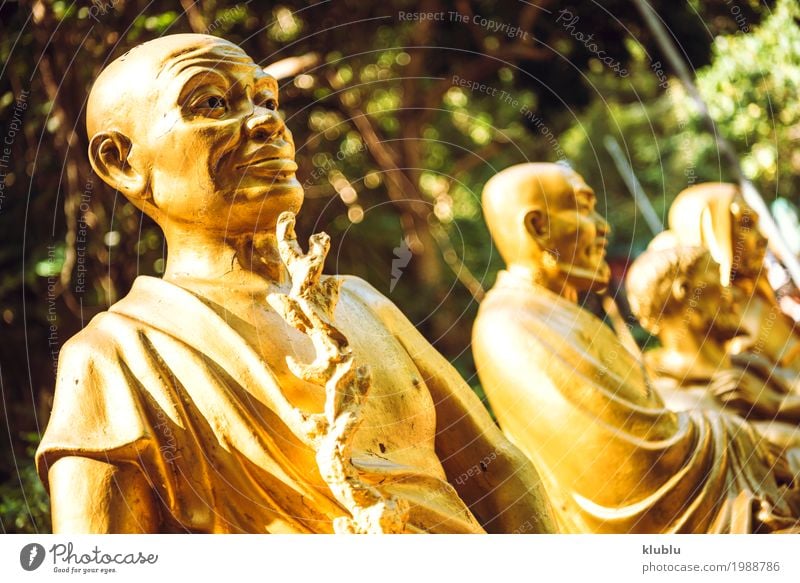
(310, 307)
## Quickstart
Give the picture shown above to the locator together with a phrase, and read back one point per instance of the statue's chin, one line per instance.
(586, 279)
(275, 187)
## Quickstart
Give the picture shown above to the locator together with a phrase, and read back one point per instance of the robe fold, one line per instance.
(163, 382)
(612, 457)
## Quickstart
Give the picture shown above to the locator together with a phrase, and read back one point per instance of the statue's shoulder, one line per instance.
(358, 286)
(107, 329)
(501, 315)
(94, 339)
(515, 307)
(374, 304)
(364, 292)
(531, 319)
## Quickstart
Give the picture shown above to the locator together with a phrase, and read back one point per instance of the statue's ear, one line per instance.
(680, 289)
(537, 225)
(108, 154)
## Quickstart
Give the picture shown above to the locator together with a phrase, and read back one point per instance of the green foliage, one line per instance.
(751, 90)
(750, 86)
(24, 505)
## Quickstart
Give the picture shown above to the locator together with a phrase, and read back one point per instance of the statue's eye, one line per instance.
(215, 102)
(213, 105)
(269, 103)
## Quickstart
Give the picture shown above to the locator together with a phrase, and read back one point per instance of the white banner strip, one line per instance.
(446, 558)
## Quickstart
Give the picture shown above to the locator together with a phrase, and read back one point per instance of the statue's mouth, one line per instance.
(272, 165)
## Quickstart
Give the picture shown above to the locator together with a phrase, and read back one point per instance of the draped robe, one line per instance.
(612, 457)
(163, 382)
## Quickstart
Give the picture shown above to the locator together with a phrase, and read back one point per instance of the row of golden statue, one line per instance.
(247, 392)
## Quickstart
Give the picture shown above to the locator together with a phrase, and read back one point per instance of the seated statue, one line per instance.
(676, 294)
(244, 391)
(612, 456)
(716, 216)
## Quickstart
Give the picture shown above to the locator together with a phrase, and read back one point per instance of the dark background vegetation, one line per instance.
(392, 154)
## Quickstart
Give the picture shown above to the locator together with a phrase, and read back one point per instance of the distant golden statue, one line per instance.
(566, 390)
(245, 391)
(715, 216)
(676, 293)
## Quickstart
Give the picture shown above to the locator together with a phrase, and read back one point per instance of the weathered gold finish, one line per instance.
(676, 293)
(187, 406)
(716, 216)
(613, 458)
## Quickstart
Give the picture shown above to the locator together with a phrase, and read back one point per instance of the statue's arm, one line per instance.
(491, 475)
(760, 396)
(494, 478)
(96, 497)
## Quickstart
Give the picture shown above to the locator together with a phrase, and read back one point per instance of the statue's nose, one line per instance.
(265, 125)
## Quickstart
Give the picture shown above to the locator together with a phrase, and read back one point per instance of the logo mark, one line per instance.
(402, 257)
(31, 556)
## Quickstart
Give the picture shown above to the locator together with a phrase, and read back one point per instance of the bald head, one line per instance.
(186, 127)
(655, 282)
(716, 216)
(542, 217)
(123, 92)
(511, 194)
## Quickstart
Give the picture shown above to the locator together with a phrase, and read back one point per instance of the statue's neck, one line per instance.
(551, 279)
(203, 257)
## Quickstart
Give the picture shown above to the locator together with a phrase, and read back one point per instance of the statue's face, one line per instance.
(709, 306)
(578, 234)
(220, 154)
(749, 245)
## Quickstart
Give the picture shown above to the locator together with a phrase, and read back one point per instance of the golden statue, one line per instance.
(716, 216)
(565, 389)
(676, 294)
(245, 391)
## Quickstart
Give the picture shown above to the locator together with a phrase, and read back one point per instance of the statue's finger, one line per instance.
(320, 239)
(285, 227)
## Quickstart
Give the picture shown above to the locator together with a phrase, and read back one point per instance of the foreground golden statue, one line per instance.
(564, 388)
(715, 216)
(676, 294)
(187, 406)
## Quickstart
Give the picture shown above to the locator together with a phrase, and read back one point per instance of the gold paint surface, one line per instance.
(245, 391)
(613, 457)
(716, 216)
